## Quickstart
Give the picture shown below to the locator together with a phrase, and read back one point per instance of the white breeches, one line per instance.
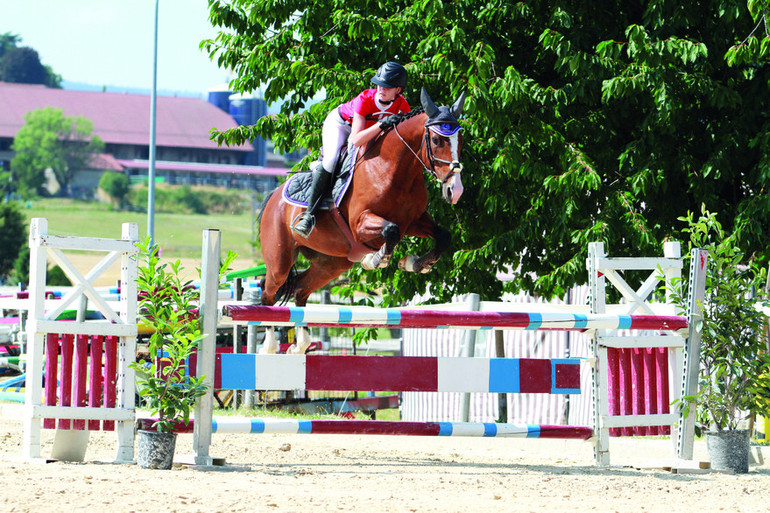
(335, 135)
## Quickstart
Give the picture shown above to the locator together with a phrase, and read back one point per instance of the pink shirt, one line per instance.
(373, 111)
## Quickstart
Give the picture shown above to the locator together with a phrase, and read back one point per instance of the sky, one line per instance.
(110, 42)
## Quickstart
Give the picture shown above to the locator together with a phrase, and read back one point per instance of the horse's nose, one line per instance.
(453, 188)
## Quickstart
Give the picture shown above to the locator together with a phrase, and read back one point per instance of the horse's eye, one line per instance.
(435, 140)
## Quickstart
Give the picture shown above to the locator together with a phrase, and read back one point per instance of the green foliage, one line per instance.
(115, 185)
(191, 200)
(49, 139)
(168, 305)
(735, 366)
(13, 236)
(57, 277)
(22, 64)
(585, 121)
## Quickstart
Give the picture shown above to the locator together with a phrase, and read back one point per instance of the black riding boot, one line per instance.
(321, 181)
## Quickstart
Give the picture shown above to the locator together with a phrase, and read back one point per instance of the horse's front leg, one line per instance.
(371, 227)
(303, 341)
(426, 227)
(270, 344)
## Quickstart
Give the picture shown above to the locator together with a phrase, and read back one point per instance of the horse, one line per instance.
(386, 200)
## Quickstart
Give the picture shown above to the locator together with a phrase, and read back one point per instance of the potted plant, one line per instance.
(734, 360)
(168, 307)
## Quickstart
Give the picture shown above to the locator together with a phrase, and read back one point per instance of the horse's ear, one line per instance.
(427, 104)
(457, 108)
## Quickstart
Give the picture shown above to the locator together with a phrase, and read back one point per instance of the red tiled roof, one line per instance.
(205, 168)
(119, 118)
(105, 162)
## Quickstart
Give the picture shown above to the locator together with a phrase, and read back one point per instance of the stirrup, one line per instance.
(300, 218)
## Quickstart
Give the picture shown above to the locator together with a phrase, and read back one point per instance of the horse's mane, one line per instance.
(400, 118)
(410, 114)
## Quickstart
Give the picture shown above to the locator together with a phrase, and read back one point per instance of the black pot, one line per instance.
(729, 450)
(155, 450)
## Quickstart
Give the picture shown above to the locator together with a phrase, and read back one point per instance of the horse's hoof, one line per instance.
(368, 263)
(408, 264)
(294, 349)
(266, 350)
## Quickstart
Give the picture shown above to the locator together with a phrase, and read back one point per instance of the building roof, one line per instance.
(120, 118)
(196, 167)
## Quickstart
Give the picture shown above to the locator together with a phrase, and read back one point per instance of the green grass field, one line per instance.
(178, 234)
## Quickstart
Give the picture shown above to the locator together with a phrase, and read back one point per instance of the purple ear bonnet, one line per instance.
(443, 128)
(442, 120)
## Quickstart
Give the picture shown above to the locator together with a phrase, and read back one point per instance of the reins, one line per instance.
(432, 159)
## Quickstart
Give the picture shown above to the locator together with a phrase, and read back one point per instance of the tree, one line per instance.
(13, 236)
(115, 185)
(8, 41)
(51, 140)
(589, 121)
(22, 64)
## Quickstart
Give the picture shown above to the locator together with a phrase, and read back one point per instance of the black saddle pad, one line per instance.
(298, 186)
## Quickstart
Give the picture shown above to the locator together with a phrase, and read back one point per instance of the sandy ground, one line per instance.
(373, 473)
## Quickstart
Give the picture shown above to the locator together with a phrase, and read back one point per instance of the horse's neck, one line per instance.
(404, 146)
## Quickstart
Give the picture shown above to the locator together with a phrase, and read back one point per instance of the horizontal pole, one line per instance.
(87, 244)
(398, 373)
(385, 427)
(642, 342)
(638, 263)
(417, 318)
(103, 328)
(82, 412)
(658, 419)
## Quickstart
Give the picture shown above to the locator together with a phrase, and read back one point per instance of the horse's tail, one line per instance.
(285, 291)
(264, 204)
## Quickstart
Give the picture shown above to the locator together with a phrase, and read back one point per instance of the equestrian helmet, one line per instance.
(390, 74)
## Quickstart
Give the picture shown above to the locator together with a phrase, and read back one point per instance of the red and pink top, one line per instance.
(372, 110)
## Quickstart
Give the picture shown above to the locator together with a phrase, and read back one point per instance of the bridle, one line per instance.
(454, 166)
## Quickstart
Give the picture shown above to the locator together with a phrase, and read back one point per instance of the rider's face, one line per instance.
(387, 94)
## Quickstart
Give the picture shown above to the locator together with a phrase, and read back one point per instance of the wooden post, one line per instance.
(696, 291)
(38, 260)
(502, 398)
(207, 349)
(468, 350)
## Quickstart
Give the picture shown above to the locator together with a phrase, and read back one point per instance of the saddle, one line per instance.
(298, 186)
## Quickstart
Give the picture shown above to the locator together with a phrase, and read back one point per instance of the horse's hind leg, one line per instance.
(323, 269)
(275, 277)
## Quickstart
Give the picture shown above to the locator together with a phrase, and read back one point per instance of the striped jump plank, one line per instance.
(406, 318)
(399, 373)
(385, 427)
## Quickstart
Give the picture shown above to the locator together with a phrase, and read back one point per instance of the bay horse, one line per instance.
(386, 200)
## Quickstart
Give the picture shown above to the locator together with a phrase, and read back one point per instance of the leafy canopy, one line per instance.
(21, 64)
(585, 121)
(49, 139)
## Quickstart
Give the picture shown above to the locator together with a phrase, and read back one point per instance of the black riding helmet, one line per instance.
(390, 74)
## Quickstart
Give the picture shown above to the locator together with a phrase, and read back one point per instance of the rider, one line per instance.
(357, 122)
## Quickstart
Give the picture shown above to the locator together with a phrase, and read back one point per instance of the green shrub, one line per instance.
(183, 199)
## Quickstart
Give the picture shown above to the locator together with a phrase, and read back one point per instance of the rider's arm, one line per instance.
(359, 135)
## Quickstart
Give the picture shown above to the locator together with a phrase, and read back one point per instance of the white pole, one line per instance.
(204, 409)
(151, 170)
